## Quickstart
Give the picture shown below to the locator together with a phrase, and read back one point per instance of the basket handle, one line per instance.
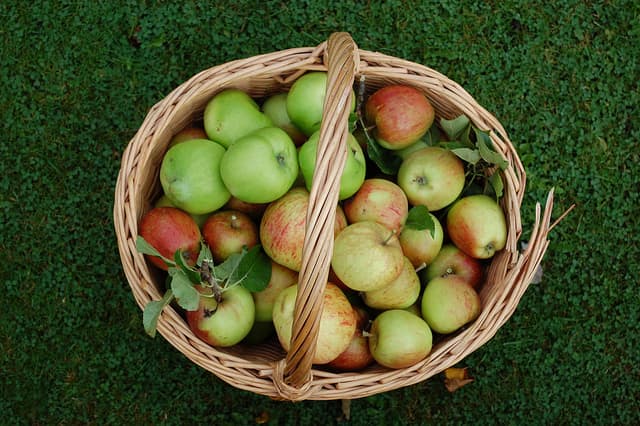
(341, 59)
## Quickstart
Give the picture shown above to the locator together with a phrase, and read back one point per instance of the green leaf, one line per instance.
(185, 293)
(191, 274)
(254, 270)
(152, 311)
(205, 254)
(419, 218)
(385, 159)
(471, 156)
(496, 183)
(142, 246)
(224, 270)
(488, 154)
(457, 128)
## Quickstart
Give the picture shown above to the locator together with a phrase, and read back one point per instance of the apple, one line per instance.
(261, 166)
(187, 134)
(264, 300)
(226, 322)
(367, 256)
(354, 170)
(357, 355)
(227, 232)
(401, 114)
(476, 225)
(283, 224)
(399, 339)
(337, 322)
(275, 107)
(164, 201)
(190, 176)
(400, 293)
(448, 303)
(168, 230)
(305, 101)
(379, 200)
(232, 114)
(419, 245)
(451, 261)
(432, 176)
(254, 210)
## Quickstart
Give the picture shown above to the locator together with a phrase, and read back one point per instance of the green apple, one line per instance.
(190, 176)
(419, 245)
(399, 339)
(337, 322)
(452, 261)
(275, 107)
(476, 225)
(448, 303)
(432, 176)
(367, 256)
(305, 101)
(354, 170)
(224, 323)
(260, 167)
(231, 114)
(281, 278)
(401, 293)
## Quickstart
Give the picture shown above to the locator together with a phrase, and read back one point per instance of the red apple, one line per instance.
(283, 226)
(227, 232)
(451, 261)
(379, 200)
(255, 210)
(476, 225)
(169, 229)
(357, 355)
(401, 114)
(188, 133)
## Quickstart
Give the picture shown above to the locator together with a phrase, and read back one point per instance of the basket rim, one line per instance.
(513, 271)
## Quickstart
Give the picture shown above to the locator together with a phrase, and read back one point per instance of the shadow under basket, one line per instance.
(265, 368)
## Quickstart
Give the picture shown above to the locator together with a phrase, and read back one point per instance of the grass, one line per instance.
(77, 79)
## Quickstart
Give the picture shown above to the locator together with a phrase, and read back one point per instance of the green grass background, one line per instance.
(78, 78)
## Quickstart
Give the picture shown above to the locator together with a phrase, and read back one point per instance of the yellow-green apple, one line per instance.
(399, 339)
(227, 231)
(419, 245)
(188, 133)
(400, 293)
(190, 176)
(283, 225)
(354, 170)
(164, 201)
(476, 225)
(401, 115)
(357, 355)
(451, 261)
(232, 114)
(367, 256)
(261, 166)
(448, 303)
(433, 177)
(379, 200)
(225, 322)
(168, 230)
(337, 322)
(275, 107)
(305, 101)
(264, 300)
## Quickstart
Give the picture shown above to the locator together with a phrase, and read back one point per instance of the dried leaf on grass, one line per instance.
(455, 378)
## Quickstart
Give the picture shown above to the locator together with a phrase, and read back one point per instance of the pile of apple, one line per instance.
(411, 241)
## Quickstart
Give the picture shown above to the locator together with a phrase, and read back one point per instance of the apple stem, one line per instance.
(234, 221)
(391, 235)
(421, 267)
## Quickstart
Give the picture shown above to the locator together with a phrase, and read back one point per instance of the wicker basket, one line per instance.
(266, 369)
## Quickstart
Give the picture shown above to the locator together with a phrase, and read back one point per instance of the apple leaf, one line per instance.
(205, 254)
(254, 270)
(495, 180)
(152, 311)
(387, 162)
(224, 270)
(185, 293)
(190, 273)
(488, 154)
(419, 218)
(457, 128)
(142, 246)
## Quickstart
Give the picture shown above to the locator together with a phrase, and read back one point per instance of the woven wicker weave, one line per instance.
(265, 369)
